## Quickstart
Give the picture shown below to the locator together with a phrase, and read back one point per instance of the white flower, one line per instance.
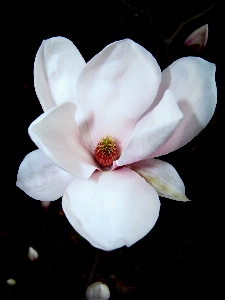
(117, 109)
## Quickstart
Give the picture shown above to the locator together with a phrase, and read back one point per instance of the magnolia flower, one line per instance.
(102, 126)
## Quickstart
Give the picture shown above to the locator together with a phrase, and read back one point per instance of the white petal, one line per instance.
(57, 66)
(163, 177)
(111, 209)
(152, 130)
(56, 134)
(192, 81)
(115, 89)
(39, 178)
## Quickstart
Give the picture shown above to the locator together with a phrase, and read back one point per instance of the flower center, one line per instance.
(105, 151)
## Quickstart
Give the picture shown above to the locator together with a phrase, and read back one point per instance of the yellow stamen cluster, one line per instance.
(105, 151)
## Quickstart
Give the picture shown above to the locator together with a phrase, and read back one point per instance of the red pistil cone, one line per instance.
(105, 151)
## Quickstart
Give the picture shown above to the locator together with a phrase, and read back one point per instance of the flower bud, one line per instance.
(98, 291)
(11, 282)
(32, 254)
(198, 37)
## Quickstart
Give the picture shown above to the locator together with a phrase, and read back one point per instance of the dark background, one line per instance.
(181, 256)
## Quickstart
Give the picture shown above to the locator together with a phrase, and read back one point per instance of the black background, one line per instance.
(180, 257)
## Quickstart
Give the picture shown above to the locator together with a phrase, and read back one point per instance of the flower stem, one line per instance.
(92, 269)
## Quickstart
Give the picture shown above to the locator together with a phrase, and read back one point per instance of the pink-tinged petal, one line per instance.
(39, 178)
(114, 89)
(192, 81)
(198, 37)
(57, 66)
(111, 209)
(152, 130)
(56, 133)
(163, 177)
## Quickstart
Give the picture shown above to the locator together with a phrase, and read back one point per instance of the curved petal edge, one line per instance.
(152, 130)
(61, 142)
(39, 178)
(163, 177)
(123, 76)
(111, 209)
(57, 66)
(192, 81)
